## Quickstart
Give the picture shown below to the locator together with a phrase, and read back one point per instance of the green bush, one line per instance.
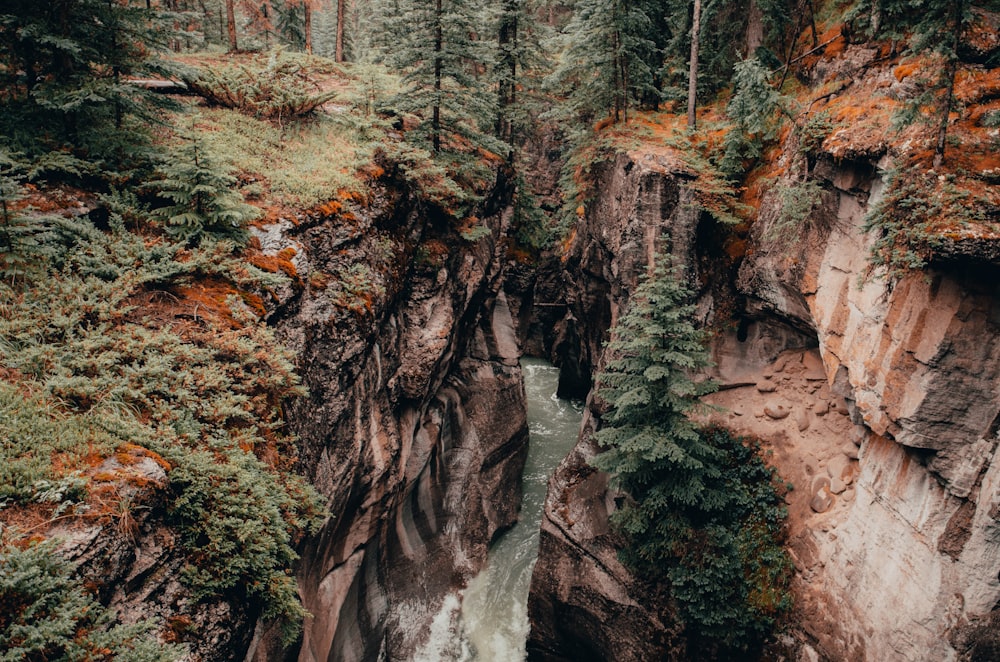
(47, 615)
(102, 371)
(204, 202)
(275, 86)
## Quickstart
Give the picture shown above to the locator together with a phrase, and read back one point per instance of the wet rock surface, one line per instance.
(414, 426)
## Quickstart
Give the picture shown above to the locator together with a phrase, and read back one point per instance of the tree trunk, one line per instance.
(951, 69)
(231, 24)
(693, 72)
(755, 28)
(341, 19)
(438, 67)
(507, 41)
(307, 14)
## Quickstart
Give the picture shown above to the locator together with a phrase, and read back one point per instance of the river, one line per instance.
(488, 621)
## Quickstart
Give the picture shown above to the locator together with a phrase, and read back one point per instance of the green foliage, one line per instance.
(65, 70)
(532, 228)
(651, 441)
(753, 109)
(300, 164)
(276, 86)
(607, 60)
(434, 44)
(796, 202)
(705, 517)
(201, 190)
(911, 215)
(46, 614)
(104, 371)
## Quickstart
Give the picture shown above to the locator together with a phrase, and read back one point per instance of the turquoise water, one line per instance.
(488, 621)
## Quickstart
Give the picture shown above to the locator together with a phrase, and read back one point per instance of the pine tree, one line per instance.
(205, 201)
(65, 68)
(442, 60)
(704, 516)
(606, 63)
(753, 109)
(653, 447)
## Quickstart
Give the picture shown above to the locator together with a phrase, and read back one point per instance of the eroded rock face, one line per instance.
(583, 604)
(879, 404)
(915, 556)
(414, 426)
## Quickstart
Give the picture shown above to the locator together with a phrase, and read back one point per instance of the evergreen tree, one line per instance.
(436, 47)
(606, 61)
(753, 110)
(653, 447)
(205, 201)
(65, 68)
(704, 516)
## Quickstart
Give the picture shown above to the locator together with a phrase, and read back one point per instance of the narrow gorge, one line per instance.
(311, 316)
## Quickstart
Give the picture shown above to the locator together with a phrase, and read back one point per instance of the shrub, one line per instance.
(110, 354)
(274, 86)
(46, 614)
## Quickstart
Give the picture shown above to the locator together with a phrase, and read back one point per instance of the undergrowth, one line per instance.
(114, 341)
(47, 614)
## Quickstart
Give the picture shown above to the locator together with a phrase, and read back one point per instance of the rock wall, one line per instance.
(414, 426)
(883, 407)
(915, 558)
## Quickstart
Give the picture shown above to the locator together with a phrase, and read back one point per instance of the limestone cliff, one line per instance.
(896, 541)
(414, 426)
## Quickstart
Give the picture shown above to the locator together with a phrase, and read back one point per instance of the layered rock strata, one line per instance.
(878, 403)
(414, 426)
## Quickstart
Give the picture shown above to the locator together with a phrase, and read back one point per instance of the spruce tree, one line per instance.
(437, 48)
(66, 70)
(653, 447)
(704, 517)
(204, 200)
(606, 61)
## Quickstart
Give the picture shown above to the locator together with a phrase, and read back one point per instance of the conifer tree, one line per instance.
(205, 202)
(606, 60)
(653, 447)
(65, 68)
(436, 47)
(704, 516)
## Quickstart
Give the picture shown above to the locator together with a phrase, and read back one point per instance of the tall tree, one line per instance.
(65, 69)
(693, 70)
(436, 47)
(704, 517)
(338, 54)
(231, 25)
(606, 63)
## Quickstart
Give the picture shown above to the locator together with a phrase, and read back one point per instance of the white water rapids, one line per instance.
(488, 621)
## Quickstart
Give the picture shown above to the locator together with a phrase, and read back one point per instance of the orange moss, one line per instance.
(735, 248)
(207, 299)
(975, 85)
(906, 70)
(282, 261)
(319, 280)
